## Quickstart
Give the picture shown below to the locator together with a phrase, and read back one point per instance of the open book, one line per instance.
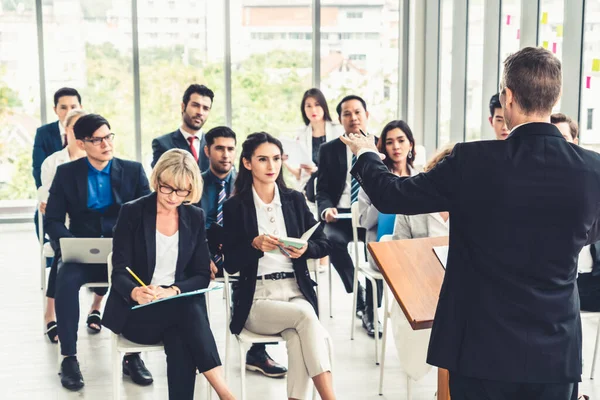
(298, 243)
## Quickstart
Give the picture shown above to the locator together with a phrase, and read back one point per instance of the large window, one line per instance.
(551, 29)
(88, 47)
(510, 31)
(180, 44)
(445, 68)
(359, 55)
(19, 98)
(475, 72)
(590, 105)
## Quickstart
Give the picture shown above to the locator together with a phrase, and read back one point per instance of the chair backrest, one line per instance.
(40, 217)
(386, 238)
(109, 267)
(385, 225)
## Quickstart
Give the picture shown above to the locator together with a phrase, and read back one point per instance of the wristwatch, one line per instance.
(176, 289)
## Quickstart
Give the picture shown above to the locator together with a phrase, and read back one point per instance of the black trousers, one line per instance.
(69, 279)
(463, 388)
(183, 327)
(589, 292)
(340, 234)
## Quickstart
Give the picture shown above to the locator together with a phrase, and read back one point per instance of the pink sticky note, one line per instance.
(518, 34)
(554, 47)
(588, 82)
(508, 20)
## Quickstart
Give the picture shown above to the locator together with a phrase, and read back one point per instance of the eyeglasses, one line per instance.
(97, 140)
(168, 190)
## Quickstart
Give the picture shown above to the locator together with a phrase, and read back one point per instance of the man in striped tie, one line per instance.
(337, 191)
(218, 185)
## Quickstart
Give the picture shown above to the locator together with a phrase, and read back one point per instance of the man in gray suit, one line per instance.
(195, 107)
(507, 324)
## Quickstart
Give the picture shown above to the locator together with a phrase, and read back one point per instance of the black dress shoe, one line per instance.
(261, 362)
(360, 301)
(369, 325)
(70, 374)
(134, 367)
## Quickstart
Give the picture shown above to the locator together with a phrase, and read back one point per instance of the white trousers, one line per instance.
(280, 308)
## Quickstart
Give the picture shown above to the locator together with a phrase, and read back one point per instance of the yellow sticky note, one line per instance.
(596, 65)
(559, 31)
(545, 44)
(544, 18)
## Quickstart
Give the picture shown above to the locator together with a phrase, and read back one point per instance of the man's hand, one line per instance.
(43, 207)
(357, 142)
(213, 270)
(331, 215)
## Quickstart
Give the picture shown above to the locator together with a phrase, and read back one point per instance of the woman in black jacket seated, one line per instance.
(164, 242)
(275, 294)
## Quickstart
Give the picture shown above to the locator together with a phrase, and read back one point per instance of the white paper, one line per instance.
(442, 254)
(344, 216)
(309, 232)
(296, 153)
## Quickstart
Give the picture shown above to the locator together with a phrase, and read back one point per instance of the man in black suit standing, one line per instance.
(507, 324)
(336, 192)
(195, 107)
(91, 191)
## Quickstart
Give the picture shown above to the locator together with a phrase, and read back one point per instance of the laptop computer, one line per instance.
(85, 250)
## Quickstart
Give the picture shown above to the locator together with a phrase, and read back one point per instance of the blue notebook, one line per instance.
(213, 286)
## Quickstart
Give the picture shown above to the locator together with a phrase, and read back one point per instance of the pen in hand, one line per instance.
(137, 278)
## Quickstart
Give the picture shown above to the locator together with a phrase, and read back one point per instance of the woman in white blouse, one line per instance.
(412, 345)
(276, 295)
(397, 142)
(70, 153)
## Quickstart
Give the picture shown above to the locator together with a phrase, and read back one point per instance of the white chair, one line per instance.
(121, 345)
(46, 252)
(361, 265)
(386, 316)
(596, 315)
(246, 339)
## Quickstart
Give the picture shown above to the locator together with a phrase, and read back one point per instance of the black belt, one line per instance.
(277, 275)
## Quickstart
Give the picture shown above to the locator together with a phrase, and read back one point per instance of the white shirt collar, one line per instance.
(261, 204)
(186, 134)
(61, 129)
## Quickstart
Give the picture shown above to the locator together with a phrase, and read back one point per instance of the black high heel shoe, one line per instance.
(52, 331)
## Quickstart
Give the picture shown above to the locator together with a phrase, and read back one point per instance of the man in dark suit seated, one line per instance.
(336, 192)
(195, 107)
(507, 324)
(497, 118)
(90, 191)
(218, 185)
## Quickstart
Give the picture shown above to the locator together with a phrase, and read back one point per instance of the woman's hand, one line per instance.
(213, 270)
(162, 293)
(143, 295)
(43, 207)
(265, 243)
(295, 252)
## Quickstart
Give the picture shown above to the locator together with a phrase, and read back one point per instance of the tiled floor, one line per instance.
(29, 362)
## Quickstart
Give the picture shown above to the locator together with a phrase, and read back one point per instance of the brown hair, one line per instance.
(439, 156)
(534, 75)
(403, 126)
(558, 118)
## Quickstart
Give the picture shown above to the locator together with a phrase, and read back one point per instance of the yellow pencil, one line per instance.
(136, 277)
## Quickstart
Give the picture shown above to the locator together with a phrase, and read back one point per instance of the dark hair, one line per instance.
(66, 91)
(87, 125)
(348, 98)
(494, 104)
(198, 89)
(403, 126)
(243, 182)
(557, 118)
(534, 76)
(320, 98)
(219, 131)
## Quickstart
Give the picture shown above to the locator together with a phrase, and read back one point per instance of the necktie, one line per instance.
(192, 147)
(354, 185)
(66, 141)
(218, 257)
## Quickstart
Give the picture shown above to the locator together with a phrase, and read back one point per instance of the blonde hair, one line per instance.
(444, 152)
(73, 114)
(178, 167)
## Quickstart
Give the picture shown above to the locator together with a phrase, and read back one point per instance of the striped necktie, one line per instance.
(218, 257)
(354, 185)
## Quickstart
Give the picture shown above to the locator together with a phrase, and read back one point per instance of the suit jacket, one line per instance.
(521, 210)
(241, 227)
(47, 141)
(331, 175)
(175, 140)
(68, 195)
(134, 246)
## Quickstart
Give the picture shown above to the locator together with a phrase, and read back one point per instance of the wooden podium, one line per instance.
(414, 275)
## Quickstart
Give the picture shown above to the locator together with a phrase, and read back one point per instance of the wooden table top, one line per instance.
(414, 274)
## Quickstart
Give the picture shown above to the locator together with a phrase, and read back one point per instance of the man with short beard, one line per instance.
(195, 107)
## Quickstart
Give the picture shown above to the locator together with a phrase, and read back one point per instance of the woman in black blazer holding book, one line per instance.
(163, 241)
(275, 293)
